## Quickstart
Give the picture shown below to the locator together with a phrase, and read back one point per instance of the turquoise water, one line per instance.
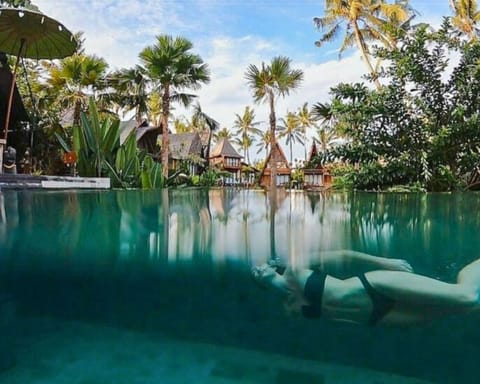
(177, 263)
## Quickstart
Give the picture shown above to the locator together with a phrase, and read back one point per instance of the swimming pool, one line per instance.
(170, 271)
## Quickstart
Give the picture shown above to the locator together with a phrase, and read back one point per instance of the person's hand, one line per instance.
(398, 265)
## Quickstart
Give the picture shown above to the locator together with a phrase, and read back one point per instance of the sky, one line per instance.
(229, 35)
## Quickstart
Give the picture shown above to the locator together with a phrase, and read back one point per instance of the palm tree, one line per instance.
(181, 125)
(466, 16)
(173, 68)
(325, 138)
(323, 113)
(130, 90)
(275, 79)
(264, 142)
(223, 133)
(246, 125)
(363, 21)
(290, 128)
(76, 78)
(307, 120)
(154, 108)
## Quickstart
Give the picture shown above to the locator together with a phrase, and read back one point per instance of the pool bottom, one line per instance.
(56, 352)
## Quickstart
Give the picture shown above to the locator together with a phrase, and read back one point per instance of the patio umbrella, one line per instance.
(32, 35)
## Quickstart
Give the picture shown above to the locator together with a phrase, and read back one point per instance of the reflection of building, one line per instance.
(185, 149)
(283, 168)
(315, 176)
(226, 158)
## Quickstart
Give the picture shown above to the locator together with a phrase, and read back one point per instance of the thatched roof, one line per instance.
(127, 127)
(183, 145)
(224, 149)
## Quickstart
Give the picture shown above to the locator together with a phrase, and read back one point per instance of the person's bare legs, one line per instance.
(417, 290)
(470, 275)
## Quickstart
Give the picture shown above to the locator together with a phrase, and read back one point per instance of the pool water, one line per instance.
(148, 287)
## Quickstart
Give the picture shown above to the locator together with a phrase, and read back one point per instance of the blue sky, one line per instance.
(229, 35)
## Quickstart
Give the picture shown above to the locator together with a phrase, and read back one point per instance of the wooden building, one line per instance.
(317, 177)
(185, 149)
(283, 168)
(224, 157)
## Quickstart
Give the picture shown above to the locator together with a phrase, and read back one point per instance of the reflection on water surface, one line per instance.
(433, 232)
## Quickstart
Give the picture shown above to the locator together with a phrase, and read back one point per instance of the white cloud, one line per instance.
(118, 30)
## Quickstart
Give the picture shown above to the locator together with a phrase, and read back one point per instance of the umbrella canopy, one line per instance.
(34, 35)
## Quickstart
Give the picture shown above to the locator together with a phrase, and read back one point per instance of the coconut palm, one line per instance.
(76, 78)
(307, 120)
(173, 68)
(223, 133)
(274, 79)
(290, 128)
(246, 127)
(323, 113)
(466, 16)
(363, 21)
(181, 125)
(264, 142)
(325, 138)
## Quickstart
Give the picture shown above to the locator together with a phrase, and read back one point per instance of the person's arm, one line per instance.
(346, 262)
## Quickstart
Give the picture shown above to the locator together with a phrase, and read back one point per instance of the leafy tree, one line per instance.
(419, 129)
(246, 127)
(173, 68)
(269, 81)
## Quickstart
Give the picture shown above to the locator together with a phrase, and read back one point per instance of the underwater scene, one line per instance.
(156, 286)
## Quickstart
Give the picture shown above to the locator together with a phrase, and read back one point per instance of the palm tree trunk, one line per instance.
(291, 154)
(305, 141)
(76, 112)
(363, 50)
(165, 113)
(207, 155)
(273, 164)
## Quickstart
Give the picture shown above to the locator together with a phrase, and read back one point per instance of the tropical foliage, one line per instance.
(96, 143)
(268, 82)
(419, 129)
(172, 67)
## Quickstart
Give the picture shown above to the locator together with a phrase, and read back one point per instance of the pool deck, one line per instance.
(10, 181)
